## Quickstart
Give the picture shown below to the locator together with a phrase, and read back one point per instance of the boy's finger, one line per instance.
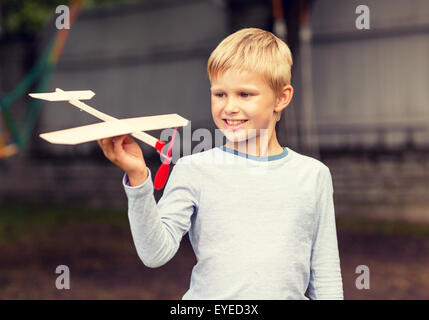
(119, 139)
(128, 139)
(108, 148)
(100, 143)
(117, 145)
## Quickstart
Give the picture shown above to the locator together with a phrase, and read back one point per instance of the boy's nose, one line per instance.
(231, 106)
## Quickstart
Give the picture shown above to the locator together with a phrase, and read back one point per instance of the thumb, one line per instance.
(128, 139)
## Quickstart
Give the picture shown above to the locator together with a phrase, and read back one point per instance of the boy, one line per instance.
(270, 235)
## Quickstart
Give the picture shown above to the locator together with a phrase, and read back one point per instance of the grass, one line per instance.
(18, 220)
(382, 227)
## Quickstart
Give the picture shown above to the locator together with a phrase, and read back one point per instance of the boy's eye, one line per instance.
(244, 94)
(219, 95)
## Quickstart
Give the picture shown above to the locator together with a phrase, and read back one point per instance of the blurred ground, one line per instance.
(98, 248)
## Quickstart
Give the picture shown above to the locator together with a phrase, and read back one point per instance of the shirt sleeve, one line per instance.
(325, 273)
(157, 229)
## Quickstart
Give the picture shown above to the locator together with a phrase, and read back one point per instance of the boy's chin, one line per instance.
(239, 135)
(236, 136)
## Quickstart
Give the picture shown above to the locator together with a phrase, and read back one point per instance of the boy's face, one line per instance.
(242, 101)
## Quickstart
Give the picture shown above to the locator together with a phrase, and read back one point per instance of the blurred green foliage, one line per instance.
(28, 17)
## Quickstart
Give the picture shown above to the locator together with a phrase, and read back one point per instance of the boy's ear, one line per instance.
(284, 98)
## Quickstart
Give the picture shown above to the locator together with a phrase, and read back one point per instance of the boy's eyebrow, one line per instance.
(248, 87)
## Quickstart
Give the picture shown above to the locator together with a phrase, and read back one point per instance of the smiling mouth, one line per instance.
(234, 124)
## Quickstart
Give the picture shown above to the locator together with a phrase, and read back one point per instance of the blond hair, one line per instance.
(253, 50)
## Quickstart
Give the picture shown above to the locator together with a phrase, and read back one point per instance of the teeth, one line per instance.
(235, 122)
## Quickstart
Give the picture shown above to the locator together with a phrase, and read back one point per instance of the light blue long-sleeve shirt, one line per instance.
(260, 227)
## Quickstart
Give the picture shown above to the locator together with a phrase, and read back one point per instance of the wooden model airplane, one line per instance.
(111, 127)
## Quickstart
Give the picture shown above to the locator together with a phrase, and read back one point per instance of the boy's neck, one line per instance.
(253, 147)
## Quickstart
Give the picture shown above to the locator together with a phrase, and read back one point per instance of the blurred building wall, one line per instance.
(371, 105)
(370, 86)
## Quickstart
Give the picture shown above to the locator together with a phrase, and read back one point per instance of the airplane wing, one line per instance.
(61, 95)
(113, 128)
(157, 122)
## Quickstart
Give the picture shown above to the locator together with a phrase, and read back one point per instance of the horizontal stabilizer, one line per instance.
(64, 95)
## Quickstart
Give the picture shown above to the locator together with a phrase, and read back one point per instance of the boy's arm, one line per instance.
(158, 229)
(325, 277)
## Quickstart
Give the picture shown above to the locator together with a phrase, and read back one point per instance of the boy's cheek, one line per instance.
(215, 112)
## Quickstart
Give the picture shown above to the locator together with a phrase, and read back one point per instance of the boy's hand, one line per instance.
(127, 155)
